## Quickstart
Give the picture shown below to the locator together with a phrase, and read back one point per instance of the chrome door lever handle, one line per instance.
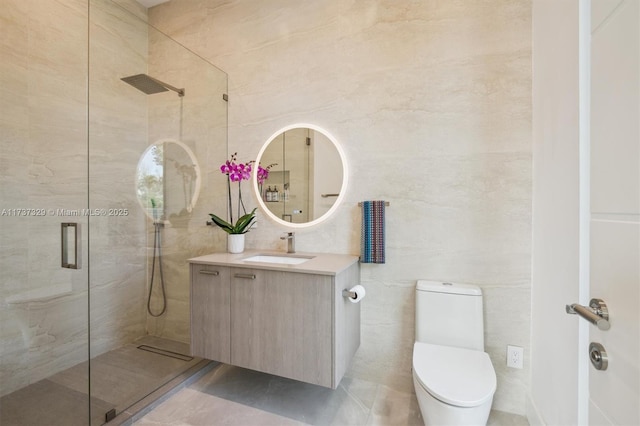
(596, 313)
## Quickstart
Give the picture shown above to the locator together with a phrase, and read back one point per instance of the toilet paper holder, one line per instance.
(355, 294)
(349, 293)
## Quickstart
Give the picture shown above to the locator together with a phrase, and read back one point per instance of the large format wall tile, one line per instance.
(72, 135)
(431, 102)
(42, 166)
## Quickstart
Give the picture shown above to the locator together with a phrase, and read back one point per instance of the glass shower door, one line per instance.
(43, 206)
(87, 325)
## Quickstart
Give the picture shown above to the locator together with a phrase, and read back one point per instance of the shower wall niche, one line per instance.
(72, 134)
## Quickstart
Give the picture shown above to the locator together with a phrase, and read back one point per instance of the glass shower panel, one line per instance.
(43, 185)
(82, 281)
(157, 134)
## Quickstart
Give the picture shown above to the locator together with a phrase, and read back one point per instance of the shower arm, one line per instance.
(180, 92)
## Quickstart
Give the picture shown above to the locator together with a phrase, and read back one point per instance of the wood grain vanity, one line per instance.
(287, 320)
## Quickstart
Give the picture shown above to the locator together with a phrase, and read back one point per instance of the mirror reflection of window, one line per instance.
(167, 180)
(179, 179)
(150, 181)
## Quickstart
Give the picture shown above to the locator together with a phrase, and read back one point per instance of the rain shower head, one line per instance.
(150, 85)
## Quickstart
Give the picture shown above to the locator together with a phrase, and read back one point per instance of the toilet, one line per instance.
(452, 375)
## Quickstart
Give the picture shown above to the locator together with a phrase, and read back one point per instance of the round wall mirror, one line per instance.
(167, 180)
(301, 175)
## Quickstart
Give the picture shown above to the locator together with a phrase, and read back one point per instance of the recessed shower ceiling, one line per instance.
(151, 3)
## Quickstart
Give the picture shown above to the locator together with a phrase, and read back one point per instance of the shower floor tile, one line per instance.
(119, 378)
(49, 403)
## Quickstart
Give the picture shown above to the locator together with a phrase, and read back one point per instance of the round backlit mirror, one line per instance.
(301, 176)
(167, 180)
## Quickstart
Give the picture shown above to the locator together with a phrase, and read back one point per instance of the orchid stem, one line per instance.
(230, 205)
(240, 201)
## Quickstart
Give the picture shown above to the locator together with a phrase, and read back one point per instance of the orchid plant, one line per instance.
(263, 174)
(236, 172)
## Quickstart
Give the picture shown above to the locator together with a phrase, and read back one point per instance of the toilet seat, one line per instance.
(455, 376)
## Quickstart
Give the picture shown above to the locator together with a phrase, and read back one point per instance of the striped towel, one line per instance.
(372, 236)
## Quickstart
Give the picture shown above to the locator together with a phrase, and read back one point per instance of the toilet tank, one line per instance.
(449, 314)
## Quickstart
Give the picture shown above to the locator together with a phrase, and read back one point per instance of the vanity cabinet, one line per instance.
(210, 312)
(281, 324)
(287, 323)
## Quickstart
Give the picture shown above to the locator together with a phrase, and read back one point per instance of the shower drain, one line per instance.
(164, 352)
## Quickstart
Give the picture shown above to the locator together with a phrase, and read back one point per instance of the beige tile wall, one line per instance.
(199, 121)
(52, 140)
(431, 101)
(117, 136)
(42, 166)
(45, 51)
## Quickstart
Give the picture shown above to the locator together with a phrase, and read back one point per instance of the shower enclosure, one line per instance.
(82, 201)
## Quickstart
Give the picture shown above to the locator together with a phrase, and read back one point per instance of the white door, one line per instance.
(614, 394)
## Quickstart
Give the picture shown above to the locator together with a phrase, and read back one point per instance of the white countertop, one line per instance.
(321, 263)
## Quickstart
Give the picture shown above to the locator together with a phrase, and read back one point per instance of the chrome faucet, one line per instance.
(291, 241)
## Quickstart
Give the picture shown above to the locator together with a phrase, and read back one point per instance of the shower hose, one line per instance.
(157, 252)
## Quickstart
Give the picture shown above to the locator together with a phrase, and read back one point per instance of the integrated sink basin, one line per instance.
(278, 258)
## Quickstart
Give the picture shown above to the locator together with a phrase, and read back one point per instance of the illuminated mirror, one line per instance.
(306, 176)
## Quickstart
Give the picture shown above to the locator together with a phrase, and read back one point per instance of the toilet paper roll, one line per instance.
(359, 294)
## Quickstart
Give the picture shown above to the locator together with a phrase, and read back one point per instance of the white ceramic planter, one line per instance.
(235, 243)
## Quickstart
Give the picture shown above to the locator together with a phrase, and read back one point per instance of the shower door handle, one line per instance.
(70, 245)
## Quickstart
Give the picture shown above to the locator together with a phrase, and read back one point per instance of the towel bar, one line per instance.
(386, 203)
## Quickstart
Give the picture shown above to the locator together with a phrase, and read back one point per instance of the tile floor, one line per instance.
(230, 396)
(119, 378)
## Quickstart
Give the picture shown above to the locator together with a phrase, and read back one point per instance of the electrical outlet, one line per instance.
(515, 355)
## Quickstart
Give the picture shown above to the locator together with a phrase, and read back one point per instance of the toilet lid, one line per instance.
(456, 376)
